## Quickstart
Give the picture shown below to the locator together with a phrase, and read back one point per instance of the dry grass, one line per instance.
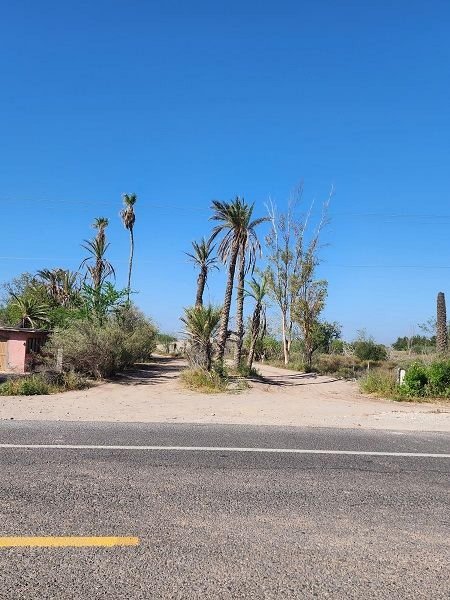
(201, 380)
(42, 384)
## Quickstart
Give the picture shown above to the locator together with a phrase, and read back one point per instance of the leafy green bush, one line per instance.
(439, 377)
(104, 350)
(416, 380)
(369, 350)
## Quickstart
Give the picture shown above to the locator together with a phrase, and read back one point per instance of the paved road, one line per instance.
(221, 524)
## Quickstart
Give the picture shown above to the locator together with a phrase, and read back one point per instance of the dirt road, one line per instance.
(153, 393)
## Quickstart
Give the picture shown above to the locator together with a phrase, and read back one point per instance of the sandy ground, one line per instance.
(154, 394)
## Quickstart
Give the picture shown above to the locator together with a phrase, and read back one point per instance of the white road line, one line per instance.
(221, 449)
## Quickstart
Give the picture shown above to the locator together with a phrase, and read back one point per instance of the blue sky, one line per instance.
(184, 102)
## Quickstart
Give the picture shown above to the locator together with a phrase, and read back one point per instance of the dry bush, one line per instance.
(104, 350)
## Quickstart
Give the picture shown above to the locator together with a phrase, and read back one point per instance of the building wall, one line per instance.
(16, 352)
(17, 356)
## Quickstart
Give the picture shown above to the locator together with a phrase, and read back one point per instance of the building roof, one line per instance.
(24, 330)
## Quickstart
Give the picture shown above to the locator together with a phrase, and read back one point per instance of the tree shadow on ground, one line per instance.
(161, 369)
(292, 380)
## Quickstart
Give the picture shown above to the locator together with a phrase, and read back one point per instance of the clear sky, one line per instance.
(184, 102)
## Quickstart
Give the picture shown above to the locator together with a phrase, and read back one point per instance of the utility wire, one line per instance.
(189, 207)
(144, 261)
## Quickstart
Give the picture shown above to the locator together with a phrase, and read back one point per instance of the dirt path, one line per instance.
(152, 393)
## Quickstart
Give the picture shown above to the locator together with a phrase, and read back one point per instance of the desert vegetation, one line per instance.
(97, 331)
(273, 279)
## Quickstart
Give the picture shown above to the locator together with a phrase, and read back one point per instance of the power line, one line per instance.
(189, 207)
(146, 261)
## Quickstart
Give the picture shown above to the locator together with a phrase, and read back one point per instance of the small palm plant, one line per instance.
(31, 312)
(203, 258)
(128, 219)
(201, 323)
(61, 285)
(257, 291)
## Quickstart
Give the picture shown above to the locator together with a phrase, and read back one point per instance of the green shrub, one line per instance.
(369, 350)
(25, 386)
(416, 380)
(205, 381)
(439, 378)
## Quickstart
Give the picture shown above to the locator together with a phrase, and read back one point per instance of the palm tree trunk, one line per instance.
(441, 328)
(240, 310)
(254, 334)
(223, 328)
(201, 282)
(130, 267)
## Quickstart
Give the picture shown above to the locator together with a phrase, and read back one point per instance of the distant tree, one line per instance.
(128, 219)
(441, 325)
(165, 339)
(325, 333)
(365, 347)
(204, 259)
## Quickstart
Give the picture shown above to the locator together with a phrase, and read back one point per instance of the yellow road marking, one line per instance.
(66, 542)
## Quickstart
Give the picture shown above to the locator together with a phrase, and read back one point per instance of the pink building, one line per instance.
(17, 346)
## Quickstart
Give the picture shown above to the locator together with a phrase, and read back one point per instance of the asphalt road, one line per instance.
(225, 524)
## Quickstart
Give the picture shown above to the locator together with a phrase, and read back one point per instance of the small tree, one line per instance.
(441, 325)
(203, 258)
(201, 323)
(289, 254)
(258, 323)
(306, 311)
(97, 266)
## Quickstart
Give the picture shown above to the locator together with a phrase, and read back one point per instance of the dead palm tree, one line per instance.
(239, 239)
(203, 258)
(201, 326)
(128, 219)
(32, 313)
(258, 291)
(98, 267)
(61, 285)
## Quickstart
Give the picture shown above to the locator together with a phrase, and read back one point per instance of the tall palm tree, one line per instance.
(239, 239)
(441, 325)
(203, 258)
(128, 219)
(201, 326)
(98, 267)
(31, 312)
(258, 291)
